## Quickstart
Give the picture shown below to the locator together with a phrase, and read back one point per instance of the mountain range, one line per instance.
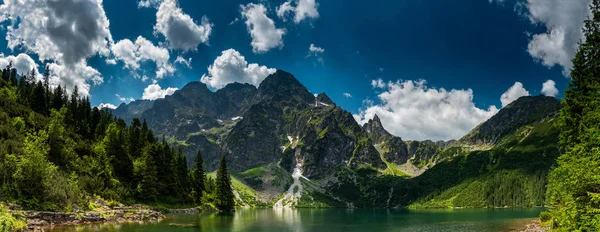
(288, 147)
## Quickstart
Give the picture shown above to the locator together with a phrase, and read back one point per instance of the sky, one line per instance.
(428, 69)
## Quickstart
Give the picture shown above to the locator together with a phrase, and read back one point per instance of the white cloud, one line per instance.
(563, 21)
(65, 32)
(22, 62)
(549, 88)
(513, 93)
(154, 91)
(181, 60)
(149, 3)
(107, 106)
(265, 35)
(314, 50)
(234, 21)
(378, 83)
(80, 75)
(179, 28)
(132, 54)
(413, 111)
(232, 67)
(124, 99)
(347, 95)
(303, 9)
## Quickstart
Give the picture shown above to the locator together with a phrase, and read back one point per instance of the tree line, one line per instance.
(57, 153)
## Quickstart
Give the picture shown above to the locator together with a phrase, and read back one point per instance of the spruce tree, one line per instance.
(224, 191)
(199, 177)
(573, 194)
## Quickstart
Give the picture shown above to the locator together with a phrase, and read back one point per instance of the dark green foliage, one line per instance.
(57, 151)
(224, 196)
(199, 177)
(573, 194)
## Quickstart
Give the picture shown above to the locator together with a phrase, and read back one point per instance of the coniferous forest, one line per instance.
(57, 152)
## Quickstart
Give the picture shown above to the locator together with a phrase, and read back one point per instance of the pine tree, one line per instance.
(38, 99)
(199, 176)
(6, 72)
(47, 86)
(573, 194)
(56, 102)
(224, 199)
(134, 137)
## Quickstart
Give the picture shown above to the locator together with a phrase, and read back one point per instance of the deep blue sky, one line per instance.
(451, 44)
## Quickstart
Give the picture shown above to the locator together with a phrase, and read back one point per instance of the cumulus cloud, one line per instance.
(180, 30)
(124, 99)
(132, 54)
(303, 9)
(22, 62)
(154, 91)
(181, 60)
(65, 32)
(563, 21)
(513, 93)
(549, 88)
(107, 106)
(265, 35)
(413, 111)
(348, 95)
(232, 67)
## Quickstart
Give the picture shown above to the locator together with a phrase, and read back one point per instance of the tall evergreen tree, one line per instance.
(56, 102)
(573, 193)
(47, 85)
(199, 176)
(224, 199)
(134, 138)
(6, 72)
(38, 99)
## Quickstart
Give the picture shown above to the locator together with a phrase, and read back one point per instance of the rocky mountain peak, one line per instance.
(323, 98)
(376, 131)
(282, 88)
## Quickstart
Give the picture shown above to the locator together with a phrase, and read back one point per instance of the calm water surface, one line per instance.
(331, 220)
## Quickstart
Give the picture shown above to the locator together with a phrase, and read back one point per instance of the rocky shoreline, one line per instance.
(40, 220)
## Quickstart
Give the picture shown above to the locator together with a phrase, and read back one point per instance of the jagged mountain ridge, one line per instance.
(281, 127)
(197, 118)
(252, 126)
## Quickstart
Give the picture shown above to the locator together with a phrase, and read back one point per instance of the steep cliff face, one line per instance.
(288, 124)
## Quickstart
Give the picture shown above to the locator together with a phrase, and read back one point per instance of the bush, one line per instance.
(8, 222)
(545, 216)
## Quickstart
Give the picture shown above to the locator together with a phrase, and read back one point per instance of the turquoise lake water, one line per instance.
(332, 220)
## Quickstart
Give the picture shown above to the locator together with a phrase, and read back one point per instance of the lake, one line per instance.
(331, 220)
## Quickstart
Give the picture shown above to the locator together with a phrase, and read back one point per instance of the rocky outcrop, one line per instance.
(392, 148)
(38, 220)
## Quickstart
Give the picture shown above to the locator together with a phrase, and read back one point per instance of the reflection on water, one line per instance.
(330, 220)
